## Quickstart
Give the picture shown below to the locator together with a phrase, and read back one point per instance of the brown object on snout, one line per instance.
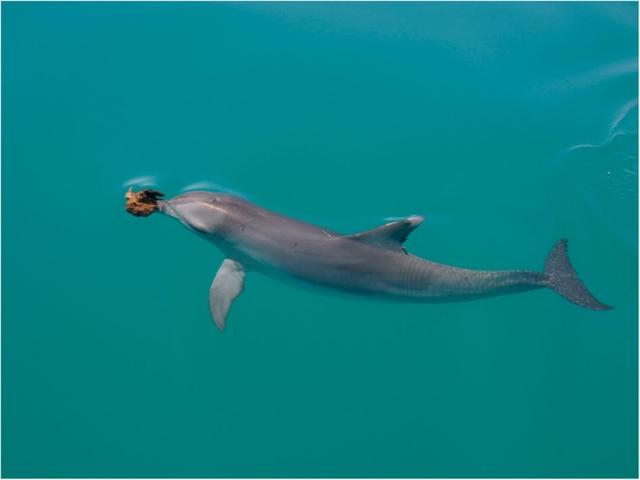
(142, 203)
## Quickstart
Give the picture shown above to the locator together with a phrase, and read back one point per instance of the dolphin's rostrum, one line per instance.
(373, 262)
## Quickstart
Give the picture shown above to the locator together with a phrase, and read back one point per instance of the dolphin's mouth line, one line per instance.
(168, 209)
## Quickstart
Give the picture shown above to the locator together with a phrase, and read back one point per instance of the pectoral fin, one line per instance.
(226, 286)
(390, 235)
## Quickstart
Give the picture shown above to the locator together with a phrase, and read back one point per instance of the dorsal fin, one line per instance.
(390, 235)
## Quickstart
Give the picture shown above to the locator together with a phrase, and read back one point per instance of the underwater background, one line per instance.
(507, 125)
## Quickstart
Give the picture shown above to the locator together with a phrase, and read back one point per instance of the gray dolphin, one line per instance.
(373, 262)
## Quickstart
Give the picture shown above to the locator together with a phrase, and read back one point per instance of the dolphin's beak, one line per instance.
(168, 209)
(178, 212)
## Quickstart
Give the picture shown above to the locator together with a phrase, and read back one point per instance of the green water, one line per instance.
(342, 115)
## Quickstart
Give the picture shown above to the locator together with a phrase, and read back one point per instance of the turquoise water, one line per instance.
(507, 125)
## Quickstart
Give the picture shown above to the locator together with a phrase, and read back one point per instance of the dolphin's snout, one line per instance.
(415, 219)
(198, 213)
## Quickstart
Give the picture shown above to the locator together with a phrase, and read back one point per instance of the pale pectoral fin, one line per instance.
(226, 286)
(390, 235)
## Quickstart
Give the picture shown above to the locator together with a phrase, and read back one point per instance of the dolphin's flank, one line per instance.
(373, 262)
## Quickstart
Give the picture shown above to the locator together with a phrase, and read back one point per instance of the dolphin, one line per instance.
(373, 262)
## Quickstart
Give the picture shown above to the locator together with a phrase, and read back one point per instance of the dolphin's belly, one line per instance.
(335, 262)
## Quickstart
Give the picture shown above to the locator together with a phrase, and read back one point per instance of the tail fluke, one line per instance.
(562, 278)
